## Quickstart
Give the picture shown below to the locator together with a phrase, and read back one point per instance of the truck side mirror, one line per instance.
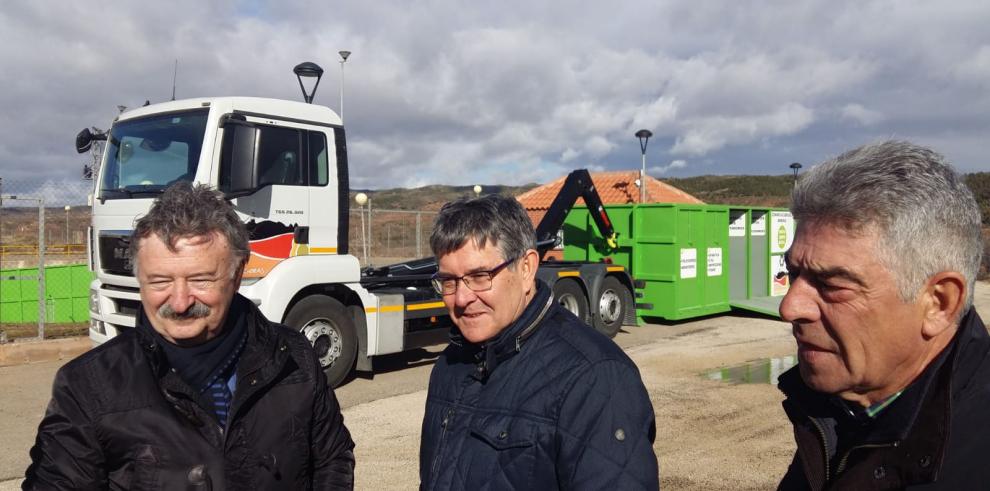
(85, 139)
(238, 158)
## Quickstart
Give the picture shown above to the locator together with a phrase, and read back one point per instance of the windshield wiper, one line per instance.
(115, 193)
(139, 192)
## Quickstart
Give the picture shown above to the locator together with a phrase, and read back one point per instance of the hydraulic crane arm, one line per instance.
(578, 184)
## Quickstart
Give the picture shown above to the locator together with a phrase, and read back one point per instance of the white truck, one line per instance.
(283, 165)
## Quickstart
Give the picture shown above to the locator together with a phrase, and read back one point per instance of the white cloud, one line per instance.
(661, 170)
(705, 135)
(516, 91)
(861, 115)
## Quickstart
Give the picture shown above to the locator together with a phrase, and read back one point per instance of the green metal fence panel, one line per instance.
(66, 294)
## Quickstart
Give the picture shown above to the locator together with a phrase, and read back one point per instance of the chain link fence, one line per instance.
(44, 278)
(380, 237)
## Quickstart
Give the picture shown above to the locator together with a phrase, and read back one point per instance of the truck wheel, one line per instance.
(571, 297)
(329, 328)
(612, 303)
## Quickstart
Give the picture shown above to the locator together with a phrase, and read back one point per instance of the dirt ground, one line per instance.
(711, 435)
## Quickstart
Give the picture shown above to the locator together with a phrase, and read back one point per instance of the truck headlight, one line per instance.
(97, 326)
(94, 301)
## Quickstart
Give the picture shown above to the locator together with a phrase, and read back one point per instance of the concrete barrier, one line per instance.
(35, 351)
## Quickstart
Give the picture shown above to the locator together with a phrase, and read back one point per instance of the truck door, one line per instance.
(278, 215)
(323, 192)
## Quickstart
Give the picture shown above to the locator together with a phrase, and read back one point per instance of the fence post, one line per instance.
(419, 236)
(371, 237)
(42, 310)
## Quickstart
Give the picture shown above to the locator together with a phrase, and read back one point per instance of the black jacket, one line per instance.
(935, 435)
(549, 403)
(120, 418)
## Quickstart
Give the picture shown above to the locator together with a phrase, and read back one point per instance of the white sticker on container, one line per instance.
(782, 228)
(759, 226)
(689, 263)
(737, 224)
(714, 261)
(779, 281)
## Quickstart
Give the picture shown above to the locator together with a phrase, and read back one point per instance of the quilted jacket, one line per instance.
(549, 403)
(934, 436)
(120, 418)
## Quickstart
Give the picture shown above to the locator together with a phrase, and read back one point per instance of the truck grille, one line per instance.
(115, 255)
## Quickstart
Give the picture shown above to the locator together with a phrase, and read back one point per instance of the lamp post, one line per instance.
(308, 69)
(343, 59)
(361, 199)
(796, 167)
(67, 208)
(644, 139)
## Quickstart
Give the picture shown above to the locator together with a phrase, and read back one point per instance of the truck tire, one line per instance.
(329, 328)
(571, 296)
(613, 300)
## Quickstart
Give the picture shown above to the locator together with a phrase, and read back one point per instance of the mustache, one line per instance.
(195, 311)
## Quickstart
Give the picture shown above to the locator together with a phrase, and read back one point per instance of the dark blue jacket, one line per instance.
(549, 403)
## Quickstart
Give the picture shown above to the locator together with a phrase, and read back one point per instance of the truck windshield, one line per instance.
(145, 155)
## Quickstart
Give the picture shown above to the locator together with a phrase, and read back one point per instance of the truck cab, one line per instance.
(283, 165)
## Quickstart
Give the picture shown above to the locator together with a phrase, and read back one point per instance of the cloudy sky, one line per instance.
(513, 92)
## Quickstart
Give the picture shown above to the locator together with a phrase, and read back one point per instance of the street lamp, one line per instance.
(343, 58)
(796, 166)
(308, 69)
(644, 138)
(67, 208)
(361, 199)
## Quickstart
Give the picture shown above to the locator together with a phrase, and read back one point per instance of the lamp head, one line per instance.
(308, 69)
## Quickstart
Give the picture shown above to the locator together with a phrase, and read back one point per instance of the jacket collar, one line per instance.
(509, 341)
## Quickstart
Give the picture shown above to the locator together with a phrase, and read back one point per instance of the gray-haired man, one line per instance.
(205, 392)
(526, 396)
(892, 387)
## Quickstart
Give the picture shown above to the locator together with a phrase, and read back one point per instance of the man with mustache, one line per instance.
(526, 396)
(205, 393)
(892, 387)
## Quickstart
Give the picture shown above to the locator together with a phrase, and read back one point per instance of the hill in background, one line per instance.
(723, 190)
(430, 198)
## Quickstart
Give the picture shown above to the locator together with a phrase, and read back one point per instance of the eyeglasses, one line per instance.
(479, 281)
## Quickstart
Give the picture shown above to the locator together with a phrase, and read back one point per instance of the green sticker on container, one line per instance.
(781, 237)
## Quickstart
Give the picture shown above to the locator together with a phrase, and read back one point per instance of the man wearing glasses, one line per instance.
(526, 396)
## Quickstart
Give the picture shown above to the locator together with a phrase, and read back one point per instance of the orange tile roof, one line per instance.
(615, 187)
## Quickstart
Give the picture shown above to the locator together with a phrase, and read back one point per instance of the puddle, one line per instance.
(764, 371)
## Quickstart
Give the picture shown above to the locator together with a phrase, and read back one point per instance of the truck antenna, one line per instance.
(174, 71)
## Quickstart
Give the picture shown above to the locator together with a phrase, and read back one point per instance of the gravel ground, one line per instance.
(711, 435)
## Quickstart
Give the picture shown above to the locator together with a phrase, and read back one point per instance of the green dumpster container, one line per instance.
(676, 253)
(758, 239)
(692, 260)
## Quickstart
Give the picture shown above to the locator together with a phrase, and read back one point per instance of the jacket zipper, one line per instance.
(443, 433)
(821, 433)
